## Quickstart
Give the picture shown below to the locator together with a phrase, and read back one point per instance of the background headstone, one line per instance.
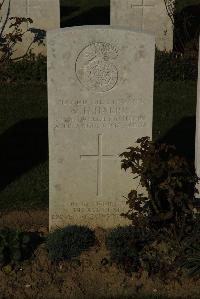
(197, 150)
(45, 15)
(17, 8)
(144, 15)
(100, 100)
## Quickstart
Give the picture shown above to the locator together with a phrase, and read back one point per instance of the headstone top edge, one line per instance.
(100, 27)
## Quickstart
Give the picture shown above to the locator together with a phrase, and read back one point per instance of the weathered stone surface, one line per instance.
(45, 13)
(100, 98)
(46, 16)
(145, 15)
(197, 143)
(17, 8)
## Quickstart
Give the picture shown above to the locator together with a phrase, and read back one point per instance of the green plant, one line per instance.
(10, 38)
(69, 242)
(30, 68)
(125, 243)
(192, 262)
(160, 258)
(15, 246)
(190, 255)
(169, 180)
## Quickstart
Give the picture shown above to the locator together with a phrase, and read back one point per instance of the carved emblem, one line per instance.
(95, 68)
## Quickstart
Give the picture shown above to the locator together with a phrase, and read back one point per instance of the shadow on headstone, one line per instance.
(22, 147)
(182, 136)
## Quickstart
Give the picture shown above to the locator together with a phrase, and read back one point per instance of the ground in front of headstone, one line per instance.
(88, 276)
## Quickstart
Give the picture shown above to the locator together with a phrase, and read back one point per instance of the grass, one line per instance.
(124, 297)
(135, 297)
(173, 101)
(30, 190)
(151, 297)
(22, 106)
(21, 101)
(180, 4)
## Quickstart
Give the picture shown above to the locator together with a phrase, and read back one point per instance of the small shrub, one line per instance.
(170, 183)
(125, 243)
(160, 258)
(69, 242)
(16, 246)
(9, 40)
(31, 68)
(192, 261)
(190, 257)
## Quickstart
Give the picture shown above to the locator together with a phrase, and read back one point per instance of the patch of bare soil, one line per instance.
(88, 276)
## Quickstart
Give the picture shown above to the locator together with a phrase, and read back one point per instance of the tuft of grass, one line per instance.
(68, 242)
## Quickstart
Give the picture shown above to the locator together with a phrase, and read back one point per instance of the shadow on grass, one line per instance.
(182, 135)
(22, 147)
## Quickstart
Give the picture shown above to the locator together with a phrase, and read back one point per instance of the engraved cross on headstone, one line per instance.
(99, 158)
(142, 4)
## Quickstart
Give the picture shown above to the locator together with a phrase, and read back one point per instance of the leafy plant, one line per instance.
(190, 253)
(192, 262)
(16, 246)
(30, 68)
(69, 242)
(160, 258)
(8, 41)
(125, 243)
(169, 180)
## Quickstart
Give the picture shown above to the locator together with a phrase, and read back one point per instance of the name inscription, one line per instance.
(84, 114)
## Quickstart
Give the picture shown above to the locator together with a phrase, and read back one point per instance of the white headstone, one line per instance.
(145, 15)
(45, 15)
(197, 142)
(100, 99)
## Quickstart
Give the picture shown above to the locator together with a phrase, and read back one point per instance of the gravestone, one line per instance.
(146, 15)
(197, 142)
(100, 100)
(45, 15)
